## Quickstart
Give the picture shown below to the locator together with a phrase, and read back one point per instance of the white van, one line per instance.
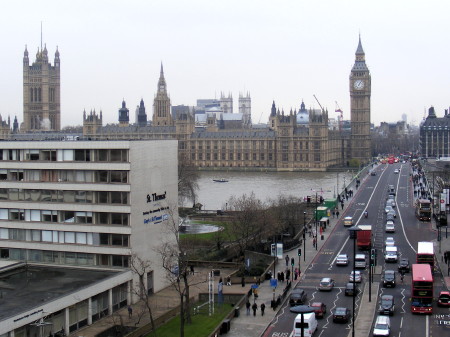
(309, 325)
(360, 261)
(391, 254)
(382, 326)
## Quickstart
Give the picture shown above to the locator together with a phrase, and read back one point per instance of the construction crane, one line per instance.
(318, 102)
(340, 117)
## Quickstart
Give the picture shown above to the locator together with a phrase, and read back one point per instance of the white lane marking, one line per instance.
(427, 321)
(361, 215)
(403, 301)
(400, 218)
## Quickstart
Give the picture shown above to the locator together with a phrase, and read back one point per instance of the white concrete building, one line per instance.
(81, 207)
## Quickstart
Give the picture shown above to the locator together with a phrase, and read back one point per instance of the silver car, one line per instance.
(388, 209)
(390, 227)
(326, 284)
(358, 276)
(342, 260)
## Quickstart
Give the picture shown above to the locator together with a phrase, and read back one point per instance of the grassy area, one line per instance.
(202, 324)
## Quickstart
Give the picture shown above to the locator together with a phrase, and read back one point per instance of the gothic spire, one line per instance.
(162, 81)
(359, 50)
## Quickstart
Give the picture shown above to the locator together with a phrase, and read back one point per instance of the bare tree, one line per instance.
(174, 262)
(140, 268)
(187, 180)
(247, 221)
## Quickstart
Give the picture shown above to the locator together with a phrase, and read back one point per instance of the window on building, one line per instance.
(82, 155)
(48, 155)
(118, 155)
(50, 216)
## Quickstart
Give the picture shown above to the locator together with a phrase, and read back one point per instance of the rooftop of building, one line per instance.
(24, 287)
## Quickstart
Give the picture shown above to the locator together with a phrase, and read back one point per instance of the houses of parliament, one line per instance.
(211, 135)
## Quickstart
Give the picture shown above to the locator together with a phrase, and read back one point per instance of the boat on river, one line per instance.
(221, 180)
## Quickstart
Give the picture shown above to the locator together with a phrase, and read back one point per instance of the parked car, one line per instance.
(341, 315)
(392, 203)
(390, 227)
(382, 326)
(390, 217)
(387, 305)
(389, 241)
(396, 171)
(320, 309)
(389, 278)
(444, 299)
(350, 291)
(393, 212)
(342, 260)
(297, 297)
(404, 266)
(358, 276)
(326, 284)
(388, 208)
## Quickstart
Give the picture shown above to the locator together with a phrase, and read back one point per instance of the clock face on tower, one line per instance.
(358, 84)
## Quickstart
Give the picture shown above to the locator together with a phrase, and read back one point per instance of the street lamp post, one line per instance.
(304, 238)
(315, 221)
(354, 231)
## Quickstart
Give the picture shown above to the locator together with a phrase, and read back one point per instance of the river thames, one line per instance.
(266, 185)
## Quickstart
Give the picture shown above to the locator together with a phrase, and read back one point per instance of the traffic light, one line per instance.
(373, 257)
(292, 262)
(299, 251)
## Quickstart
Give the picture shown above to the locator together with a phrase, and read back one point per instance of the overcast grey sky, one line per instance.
(285, 51)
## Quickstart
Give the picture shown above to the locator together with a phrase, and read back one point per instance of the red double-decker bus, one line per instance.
(425, 253)
(421, 289)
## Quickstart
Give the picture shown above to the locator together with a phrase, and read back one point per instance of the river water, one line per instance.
(266, 185)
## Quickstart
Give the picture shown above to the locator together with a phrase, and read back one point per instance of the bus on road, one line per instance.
(421, 289)
(423, 209)
(425, 253)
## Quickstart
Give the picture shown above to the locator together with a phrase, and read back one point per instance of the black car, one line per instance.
(389, 278)
(349, 291)
(341, 315)
(403, 266)
(387, 305)
(390, 217)
(373, 173)
(297, 297)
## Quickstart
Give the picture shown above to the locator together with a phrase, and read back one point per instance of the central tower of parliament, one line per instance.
(302, 140)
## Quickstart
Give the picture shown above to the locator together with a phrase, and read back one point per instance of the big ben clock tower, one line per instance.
(360, 89)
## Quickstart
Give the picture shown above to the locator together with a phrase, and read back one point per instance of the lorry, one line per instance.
(364, 237)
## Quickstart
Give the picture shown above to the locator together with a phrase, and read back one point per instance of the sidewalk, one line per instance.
(440, 247)
(251, 326)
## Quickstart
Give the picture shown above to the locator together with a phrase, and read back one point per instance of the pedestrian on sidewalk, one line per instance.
(282, 276)
(130, 311)
(288, 274)
(248, 305)
(314, 242)
(228, 280)
(254, 307)
(342, 205)
(334, 213)
(263, 307)
(287, 260)
(337, 214)
(243, 281)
